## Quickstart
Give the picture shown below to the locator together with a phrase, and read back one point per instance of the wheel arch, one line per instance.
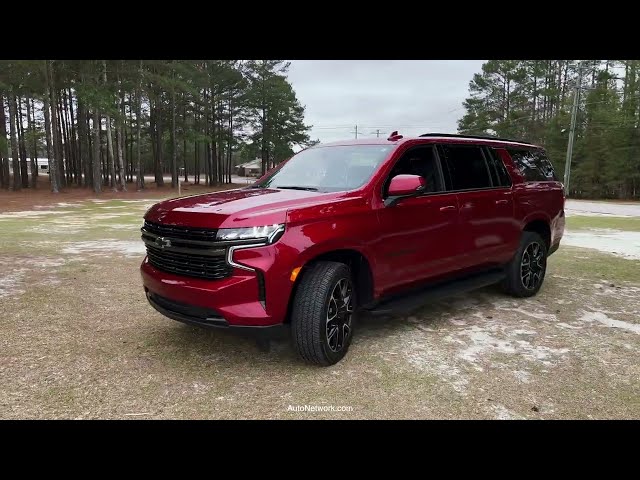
(540, 225)
(358, 262)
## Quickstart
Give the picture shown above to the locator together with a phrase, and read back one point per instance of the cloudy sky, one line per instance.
(411, 96)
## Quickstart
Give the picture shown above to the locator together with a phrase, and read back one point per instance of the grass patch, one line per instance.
(597, 266)
(584, 222)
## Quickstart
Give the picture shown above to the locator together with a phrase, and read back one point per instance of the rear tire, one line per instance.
(526, 271)
(323, 313)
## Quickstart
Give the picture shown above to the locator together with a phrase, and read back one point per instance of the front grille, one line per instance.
(189, 264)
(188, 251)
(184, 233)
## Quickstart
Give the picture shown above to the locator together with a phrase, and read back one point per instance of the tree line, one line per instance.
(532, 100)
(103, 124)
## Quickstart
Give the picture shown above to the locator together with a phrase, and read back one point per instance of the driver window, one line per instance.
(419, 161)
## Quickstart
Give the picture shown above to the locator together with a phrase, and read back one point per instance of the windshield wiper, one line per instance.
(295, 187)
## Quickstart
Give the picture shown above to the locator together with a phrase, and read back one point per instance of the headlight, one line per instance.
(268, 233)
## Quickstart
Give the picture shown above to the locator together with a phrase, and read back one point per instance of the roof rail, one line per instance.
(481, 137)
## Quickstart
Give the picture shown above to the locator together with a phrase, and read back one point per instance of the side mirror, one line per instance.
(404, 186)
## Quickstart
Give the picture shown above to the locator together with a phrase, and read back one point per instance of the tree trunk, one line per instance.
(207, 156)
(68, 145)
(220, 140)
(52, 136)
(90, 151)
(184, 139)
(104, 159)
(110, 155)
(75, 147)
(160, 160)
(24, 168)
(97, 176)
(56, 131)
(229, 142)
(174, 156)
(49, 140)
(83, 144)
(120, 121)
(196, 150)
(213, 159)
(62, 144)
(139, 173)
(130, 140)
(17, 184)
(34, 152)
(4, 158)
(263, 143)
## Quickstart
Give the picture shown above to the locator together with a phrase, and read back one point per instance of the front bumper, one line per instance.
(208, 318)
(257, 296)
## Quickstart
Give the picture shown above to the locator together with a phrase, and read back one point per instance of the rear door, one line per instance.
(485, 229)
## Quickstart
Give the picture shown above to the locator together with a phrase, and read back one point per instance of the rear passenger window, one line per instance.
(466, 167)
(533, 164)
(498, 171)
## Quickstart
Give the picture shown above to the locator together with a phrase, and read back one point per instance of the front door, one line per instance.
(417, 240)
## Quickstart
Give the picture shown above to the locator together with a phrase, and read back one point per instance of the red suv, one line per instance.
(381, 226)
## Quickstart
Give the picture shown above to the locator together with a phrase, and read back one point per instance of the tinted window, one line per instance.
(533, 164)
(499, 173)
(466, 167)
(419, 161)
(328, 169)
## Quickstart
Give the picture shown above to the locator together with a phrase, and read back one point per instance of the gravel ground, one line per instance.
(586, 207)
(78, 340)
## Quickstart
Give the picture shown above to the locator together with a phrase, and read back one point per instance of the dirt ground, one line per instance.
(78, 340)
(28, 198)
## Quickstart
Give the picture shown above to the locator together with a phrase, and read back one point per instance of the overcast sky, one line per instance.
(411, 96)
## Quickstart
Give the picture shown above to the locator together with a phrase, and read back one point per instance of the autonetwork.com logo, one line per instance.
(319, 408)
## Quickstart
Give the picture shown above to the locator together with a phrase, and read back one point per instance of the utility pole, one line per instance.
(356, 131)
(377, 133)
(572, 131)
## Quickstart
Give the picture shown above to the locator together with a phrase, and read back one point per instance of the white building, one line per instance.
(43, 165)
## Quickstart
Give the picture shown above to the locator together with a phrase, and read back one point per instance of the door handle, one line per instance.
(447, 208)
(502, 202)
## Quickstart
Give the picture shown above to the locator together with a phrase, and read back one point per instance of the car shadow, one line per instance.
(229, 346)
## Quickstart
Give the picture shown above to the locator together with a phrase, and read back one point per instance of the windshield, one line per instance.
(328, 169)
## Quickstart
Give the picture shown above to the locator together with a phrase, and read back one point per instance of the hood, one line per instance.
(246, 207)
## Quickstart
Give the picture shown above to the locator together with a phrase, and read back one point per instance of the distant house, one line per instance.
(43, 165)
(249, 169)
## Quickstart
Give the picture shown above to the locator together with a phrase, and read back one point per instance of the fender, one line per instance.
(536, 215)
(337, 244)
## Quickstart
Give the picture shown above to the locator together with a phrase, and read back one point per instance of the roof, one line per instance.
(257, 163)
(434, 136)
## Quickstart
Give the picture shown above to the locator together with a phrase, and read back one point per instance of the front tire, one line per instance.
(526, 271)
(323, 313)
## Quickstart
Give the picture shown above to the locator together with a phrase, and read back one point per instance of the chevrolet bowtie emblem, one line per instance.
(163, 242)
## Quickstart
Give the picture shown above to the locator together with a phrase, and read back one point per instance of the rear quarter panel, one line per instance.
(536, 200)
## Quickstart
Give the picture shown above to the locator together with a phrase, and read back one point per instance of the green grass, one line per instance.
(598, 266)
(48, 233)
(583, 222)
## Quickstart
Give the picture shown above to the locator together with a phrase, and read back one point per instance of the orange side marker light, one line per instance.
(294, 274)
